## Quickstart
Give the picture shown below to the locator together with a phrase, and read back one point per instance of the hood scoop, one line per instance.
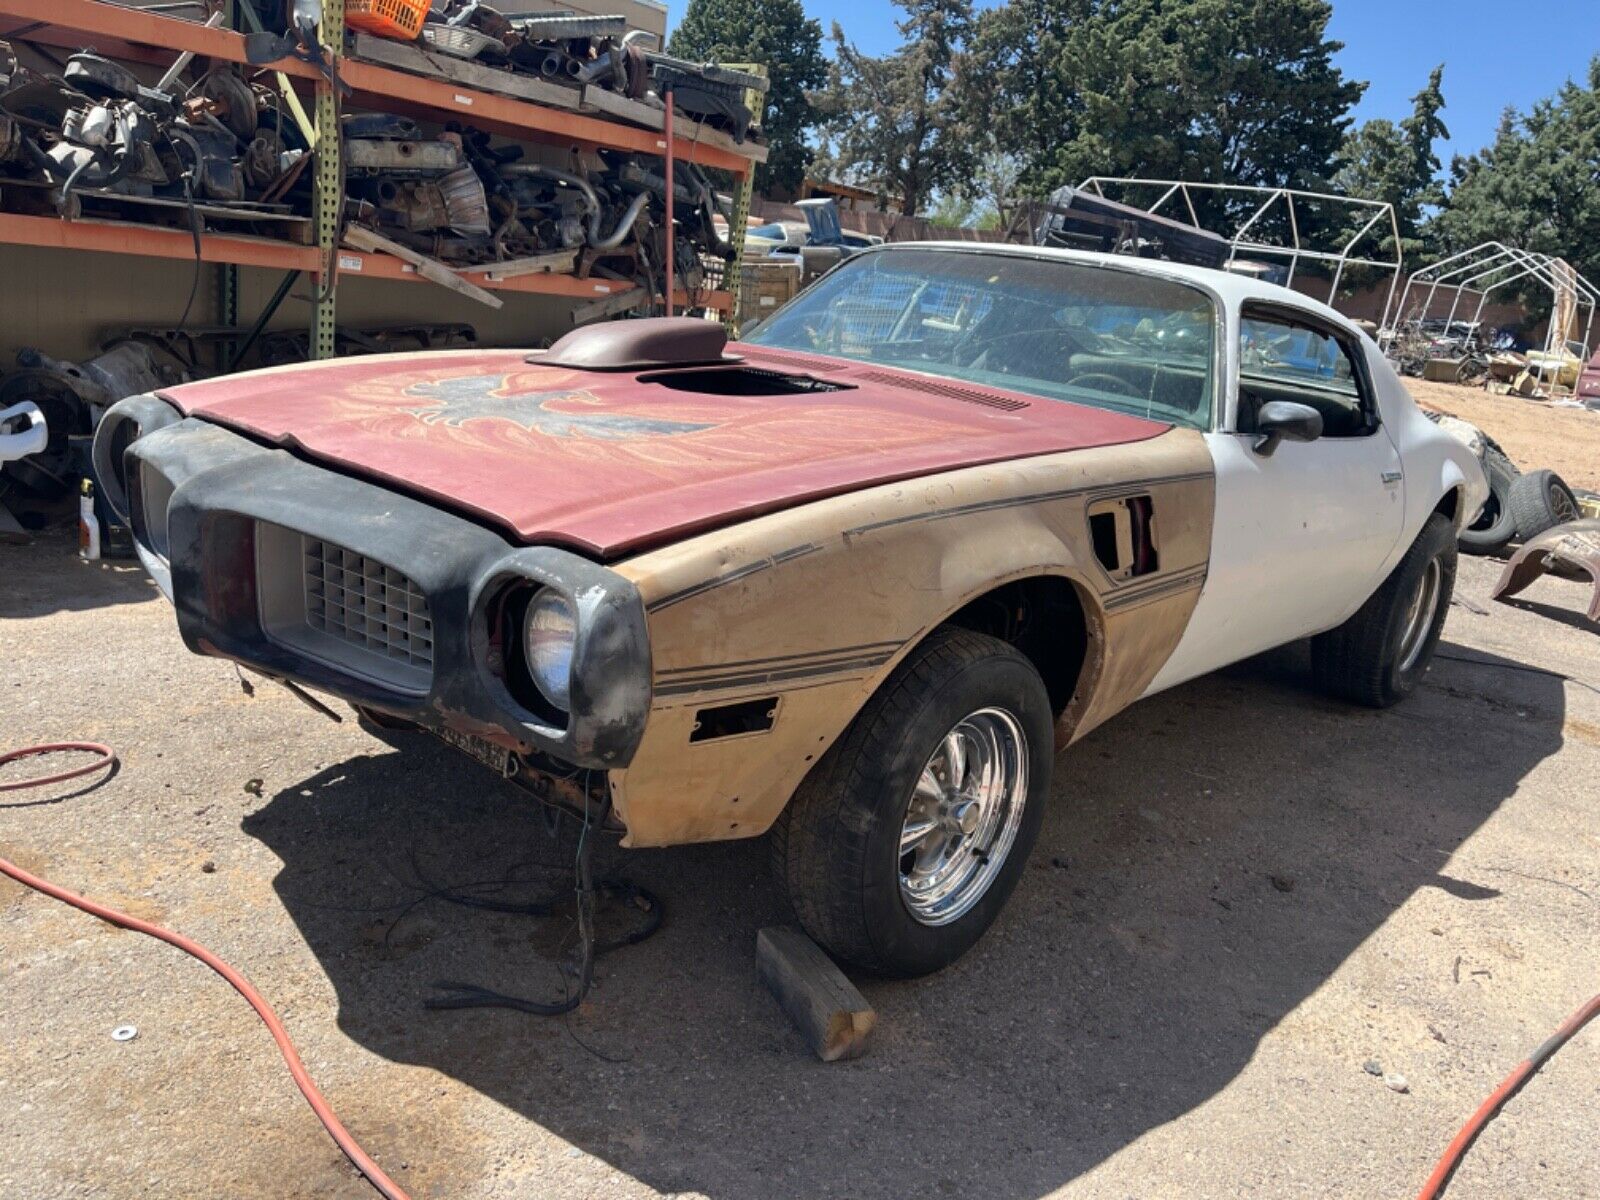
(648, 344)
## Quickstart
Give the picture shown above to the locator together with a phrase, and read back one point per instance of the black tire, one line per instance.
(1361, 661)
(1495, 526)
(1541, 500)
(836, 849)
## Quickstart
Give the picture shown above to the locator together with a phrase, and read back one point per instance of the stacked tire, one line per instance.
(1541, 500)
(1519, 506)
(1496, 524)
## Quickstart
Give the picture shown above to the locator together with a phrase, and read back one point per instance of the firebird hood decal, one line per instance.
(489, 398)
(611, 463)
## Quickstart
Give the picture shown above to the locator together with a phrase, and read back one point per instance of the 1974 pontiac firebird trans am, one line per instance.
(855, 585)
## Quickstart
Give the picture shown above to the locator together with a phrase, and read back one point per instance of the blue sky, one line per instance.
(1496, 52)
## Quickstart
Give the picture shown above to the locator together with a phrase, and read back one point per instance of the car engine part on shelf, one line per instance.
(713, 94)
(396, 155)
(595, 51)
(96, 129)
(211, 143)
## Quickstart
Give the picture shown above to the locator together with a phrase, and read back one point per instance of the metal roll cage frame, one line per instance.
(1298, 249)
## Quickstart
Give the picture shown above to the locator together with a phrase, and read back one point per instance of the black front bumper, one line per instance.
(202, 552)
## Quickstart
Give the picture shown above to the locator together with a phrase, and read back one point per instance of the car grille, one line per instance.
(360, 601)
(343, 609)
(155, 493)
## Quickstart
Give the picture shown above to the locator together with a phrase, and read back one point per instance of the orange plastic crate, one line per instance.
(400, 19)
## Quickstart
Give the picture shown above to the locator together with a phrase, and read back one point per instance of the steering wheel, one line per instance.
(1097, 380)
(1057, 344)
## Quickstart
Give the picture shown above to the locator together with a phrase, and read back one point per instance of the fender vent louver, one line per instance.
(949, 390)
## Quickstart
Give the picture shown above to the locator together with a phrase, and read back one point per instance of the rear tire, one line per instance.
(1377, 656)
(1541, 500)
(1495, 526)
(840, 850)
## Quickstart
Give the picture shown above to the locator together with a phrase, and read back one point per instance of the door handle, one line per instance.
(1392, 476)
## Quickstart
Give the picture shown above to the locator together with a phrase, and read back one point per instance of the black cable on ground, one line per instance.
(456, 995)
(1511, 666)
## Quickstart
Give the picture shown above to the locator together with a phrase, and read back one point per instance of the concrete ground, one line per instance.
(1244, 894)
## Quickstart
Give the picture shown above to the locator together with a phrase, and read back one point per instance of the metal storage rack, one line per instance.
(553, 115)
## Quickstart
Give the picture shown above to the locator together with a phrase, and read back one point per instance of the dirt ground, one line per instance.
(1243, 895)
(1533, 433)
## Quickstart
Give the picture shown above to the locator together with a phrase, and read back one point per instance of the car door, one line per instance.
(1301, 533)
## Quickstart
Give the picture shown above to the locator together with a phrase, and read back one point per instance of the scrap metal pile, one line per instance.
(462, 198)
(594, 51)
(220, 149)
(94, 131)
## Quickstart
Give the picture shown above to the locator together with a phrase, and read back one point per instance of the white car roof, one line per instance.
(1234, 290)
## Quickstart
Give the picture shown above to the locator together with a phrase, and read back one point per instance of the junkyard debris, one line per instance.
(1572, 549)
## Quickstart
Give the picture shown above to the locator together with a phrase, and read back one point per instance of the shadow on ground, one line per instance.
(45, 575)
(1210, 859)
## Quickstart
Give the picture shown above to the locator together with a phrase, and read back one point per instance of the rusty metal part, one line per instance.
(10, 140)
(260, 164)
(1571, 550)
(402, 155)
(232, 101)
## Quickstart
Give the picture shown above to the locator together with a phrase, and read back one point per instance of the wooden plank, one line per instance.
(377, 265)
(599, 310)
(832, 1016)
(561, 262)
(696, 133)
(414, 60)
(430, 269)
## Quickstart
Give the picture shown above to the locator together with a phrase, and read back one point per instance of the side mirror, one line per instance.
(1280, 419)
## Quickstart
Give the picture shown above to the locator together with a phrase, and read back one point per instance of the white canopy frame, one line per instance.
(1485, 269)
(1377, 213)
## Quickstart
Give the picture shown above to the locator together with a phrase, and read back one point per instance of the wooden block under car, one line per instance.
(825, 1007)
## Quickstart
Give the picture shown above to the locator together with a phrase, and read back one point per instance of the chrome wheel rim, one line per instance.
(963, 816)
(1419, 616)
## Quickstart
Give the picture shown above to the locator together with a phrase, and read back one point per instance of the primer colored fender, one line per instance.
(1570, 549)
(803, 614)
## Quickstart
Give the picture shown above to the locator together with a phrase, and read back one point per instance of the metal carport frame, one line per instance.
(1485, 269)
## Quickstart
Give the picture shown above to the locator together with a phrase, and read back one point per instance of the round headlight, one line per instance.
(548, 633)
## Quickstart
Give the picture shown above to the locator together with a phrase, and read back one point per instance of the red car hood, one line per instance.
(610, 462)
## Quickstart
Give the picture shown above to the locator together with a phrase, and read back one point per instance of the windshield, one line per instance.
(1091, 335)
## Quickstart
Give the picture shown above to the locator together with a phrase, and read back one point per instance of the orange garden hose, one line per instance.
(105, 760)
(1509, 1087)
(336, 1130)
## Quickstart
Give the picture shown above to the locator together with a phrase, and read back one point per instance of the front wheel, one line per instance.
(902, 845)
(1377, 656)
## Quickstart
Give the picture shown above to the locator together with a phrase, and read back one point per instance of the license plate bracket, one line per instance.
(496, 758)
